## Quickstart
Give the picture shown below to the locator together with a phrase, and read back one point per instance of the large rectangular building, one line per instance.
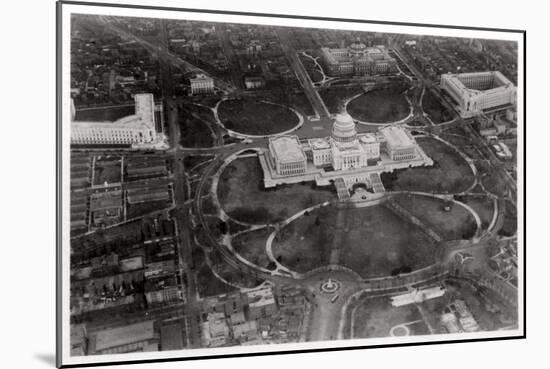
(400, 145)
(201, 84)
(357, 59)
(287, 155)
(478, 92)
(138, 128)
(129, 338)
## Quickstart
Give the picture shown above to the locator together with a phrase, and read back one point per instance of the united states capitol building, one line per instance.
(344, 158)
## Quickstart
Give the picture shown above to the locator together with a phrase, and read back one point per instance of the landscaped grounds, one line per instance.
(373, 241)
(242, 194)
(449, 174)
(382, 105)
(256, 117)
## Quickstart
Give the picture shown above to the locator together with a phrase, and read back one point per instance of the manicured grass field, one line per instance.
(450, 172)
(194, 132)
(255, 117)
(375, 317)
(435, 110)
(243, 196)
(108, 114)
(483, 206)
(251, 246)
(455, 224)
(372, 241)
(334, 97)
(383, 105)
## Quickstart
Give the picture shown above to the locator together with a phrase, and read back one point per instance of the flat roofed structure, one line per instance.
(287, 155)
(400, 145)
(477, 92)
(357, 59)
(133, 337)
(201, 83)
(138, 128)
(397, 137)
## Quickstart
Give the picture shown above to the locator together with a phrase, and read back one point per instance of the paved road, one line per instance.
(301, 74)
(161, 51)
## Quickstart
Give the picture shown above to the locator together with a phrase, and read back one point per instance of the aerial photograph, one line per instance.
(239, 184)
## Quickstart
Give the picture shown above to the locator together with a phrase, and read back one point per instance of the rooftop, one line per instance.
(287, 149)
(397, 137)
(115, 337)
(260, 297)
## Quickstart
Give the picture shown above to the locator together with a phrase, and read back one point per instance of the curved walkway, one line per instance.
(401, 121)
(245, 135)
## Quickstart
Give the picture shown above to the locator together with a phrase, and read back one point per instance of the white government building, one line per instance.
(478, 92)
(346, 156)
(201, 84)
(135, 129)
(357, 59)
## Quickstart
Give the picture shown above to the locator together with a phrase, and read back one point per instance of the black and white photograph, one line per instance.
(244, 184)
(235, 184)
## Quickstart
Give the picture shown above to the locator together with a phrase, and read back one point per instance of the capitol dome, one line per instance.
(343, 129)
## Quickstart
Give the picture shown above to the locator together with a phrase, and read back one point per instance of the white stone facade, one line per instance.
(475, 92)
(134, 129)
(201, 84)
(357, 59)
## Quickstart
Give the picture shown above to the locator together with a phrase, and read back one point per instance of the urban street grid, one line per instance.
(236, 184)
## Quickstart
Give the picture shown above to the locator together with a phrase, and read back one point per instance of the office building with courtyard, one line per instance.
(475, 93)
(137, 129)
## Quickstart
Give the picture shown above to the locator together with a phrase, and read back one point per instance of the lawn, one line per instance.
(255, 117)
(334, 97)
(194, 132)
(449, 174)
(375, 317)
(108, 114)
(243, 197)
(372, 241)
(483, 206)
(251, 246)
(455, 224)
(381, 105)
(437, 112)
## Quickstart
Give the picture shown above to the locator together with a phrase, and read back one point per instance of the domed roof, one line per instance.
(357, 45)
(343, 129)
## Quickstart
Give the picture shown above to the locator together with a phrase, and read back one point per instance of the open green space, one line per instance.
(255, 117)
(334, 97)
(106, 114)
(242, 194)
(437, 112)
(375, 317)
(373, 241)
(483, 206)
(450, 172)
(382, 105)
(251, 246)
(455, 223)
(194, 132)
